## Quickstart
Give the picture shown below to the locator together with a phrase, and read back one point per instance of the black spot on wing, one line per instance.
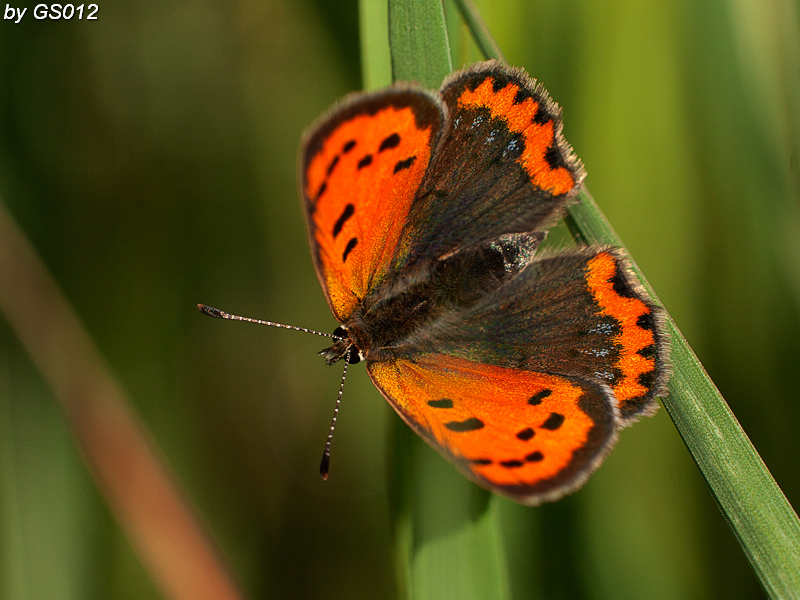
(470, 424)
(346, 214)
(390, 142)
(526, 434)
(542, 116)
(498, 84)
(365, 162)
(621, 285)
(536, 399)
(349, 248)
(348, 146)
(322, 189)
(333, 164)
(404, 164)
(481, 461)
(647, 379)
(647, 351)
(534, 456)
(553, 422)
(521, 95)
(645, 321)
(553, 157)
(473, 82)
(443, 403)
(511, 464)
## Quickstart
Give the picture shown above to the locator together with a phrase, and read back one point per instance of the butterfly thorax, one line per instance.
(390, 315)
(392, 320)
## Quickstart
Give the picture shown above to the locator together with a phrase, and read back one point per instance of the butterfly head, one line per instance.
(343, 343)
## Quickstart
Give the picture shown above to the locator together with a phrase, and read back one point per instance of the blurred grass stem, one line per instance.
(128, 468)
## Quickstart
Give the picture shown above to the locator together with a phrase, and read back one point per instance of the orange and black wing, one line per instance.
(361, 167)
(502, 166)
(530, 435)
(578, 313)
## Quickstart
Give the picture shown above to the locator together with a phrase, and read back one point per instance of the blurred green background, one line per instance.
(150, 158)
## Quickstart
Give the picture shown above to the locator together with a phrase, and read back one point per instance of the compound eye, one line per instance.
(355, 356)
(340, 332)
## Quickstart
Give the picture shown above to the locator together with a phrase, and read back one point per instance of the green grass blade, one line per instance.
(762, 519)
(376, 66)
(447, 532)
(418, 42)
(480, 32)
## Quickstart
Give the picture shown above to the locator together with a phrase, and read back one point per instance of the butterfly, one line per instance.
(425, 214)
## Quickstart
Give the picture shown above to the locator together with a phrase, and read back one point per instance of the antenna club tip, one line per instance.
(324, 466)
(210, 311)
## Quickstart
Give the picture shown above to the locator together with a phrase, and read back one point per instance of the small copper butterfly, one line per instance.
(425, 213)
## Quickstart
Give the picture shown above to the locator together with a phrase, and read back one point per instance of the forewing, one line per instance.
(529, 435)
(579, 313)
(502, 165)
(361, 167)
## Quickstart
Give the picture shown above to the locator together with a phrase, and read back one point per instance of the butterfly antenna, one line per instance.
(221, 314)
(325, 463)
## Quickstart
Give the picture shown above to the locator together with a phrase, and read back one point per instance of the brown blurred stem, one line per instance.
(124, 460)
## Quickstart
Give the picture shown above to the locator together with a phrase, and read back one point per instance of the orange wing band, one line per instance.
(520, 117)
(636, 324)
